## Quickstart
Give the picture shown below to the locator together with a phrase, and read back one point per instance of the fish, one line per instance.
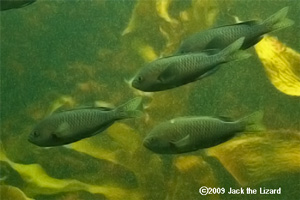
(220, 37)
(190, 133)
(174, 71)
(12, 4)
(69, 126)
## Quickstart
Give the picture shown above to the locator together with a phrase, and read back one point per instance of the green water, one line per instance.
(51, 49)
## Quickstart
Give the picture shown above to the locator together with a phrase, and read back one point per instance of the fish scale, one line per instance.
(191, 64)
(186, 134)
(70, 126)
(220, 37)
(174, 71)
(87, 119)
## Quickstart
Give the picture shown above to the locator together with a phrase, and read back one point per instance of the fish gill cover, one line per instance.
(66, 54)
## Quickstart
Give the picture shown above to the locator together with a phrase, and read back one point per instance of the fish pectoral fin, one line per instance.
(168, 74)
(182, 143)
(62, 130)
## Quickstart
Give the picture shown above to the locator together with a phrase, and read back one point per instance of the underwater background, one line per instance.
(73, 53)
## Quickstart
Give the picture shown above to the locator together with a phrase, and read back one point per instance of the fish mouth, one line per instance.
(134, 83)
(150, 147)
(146, 144)
(30, 138)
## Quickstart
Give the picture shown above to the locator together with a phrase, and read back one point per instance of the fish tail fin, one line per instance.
(130, 109)
(253, 122)
(278, 20)
(233, 52)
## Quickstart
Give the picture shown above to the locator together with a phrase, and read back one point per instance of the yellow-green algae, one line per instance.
(115, 165)
(253, 158)
(151, 25)
(281, 63)
(12, 193)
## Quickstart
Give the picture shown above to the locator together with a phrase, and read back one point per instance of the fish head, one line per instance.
(147, 79)
(44, 135)
(158, 145)
(146, 82)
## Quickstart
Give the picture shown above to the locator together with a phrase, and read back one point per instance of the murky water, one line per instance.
(72, 53)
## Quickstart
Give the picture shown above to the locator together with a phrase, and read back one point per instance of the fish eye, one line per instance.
(152, 139)
(139, 78)
(36, 134)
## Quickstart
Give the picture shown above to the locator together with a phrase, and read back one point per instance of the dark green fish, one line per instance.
(220, 37)
(72, 125)
(188, 134)
(174, 71)
(11, 4)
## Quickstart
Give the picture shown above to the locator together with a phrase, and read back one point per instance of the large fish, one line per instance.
(11, 4)
(187, 134)
(174, 71)
(72, 125)
(220, 37)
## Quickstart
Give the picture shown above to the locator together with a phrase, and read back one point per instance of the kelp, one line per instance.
(39, 182)
(114, 164)
(151, 21)
(8, 192)
(253, 158)
(281, 63)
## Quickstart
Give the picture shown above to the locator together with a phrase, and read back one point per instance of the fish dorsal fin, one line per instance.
(226, 118)
(182, 143)
(250, 22)
(64, 109)
(175, 120)
(84, 107)
(103, 108)
(59, 109)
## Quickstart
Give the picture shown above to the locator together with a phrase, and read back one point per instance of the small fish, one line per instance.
(220, 37)
(72, 125)
(187, 134)
(174, 71)
(11, 4)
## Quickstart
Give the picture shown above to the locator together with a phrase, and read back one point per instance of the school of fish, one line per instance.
(199, 149)
(198, 56)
